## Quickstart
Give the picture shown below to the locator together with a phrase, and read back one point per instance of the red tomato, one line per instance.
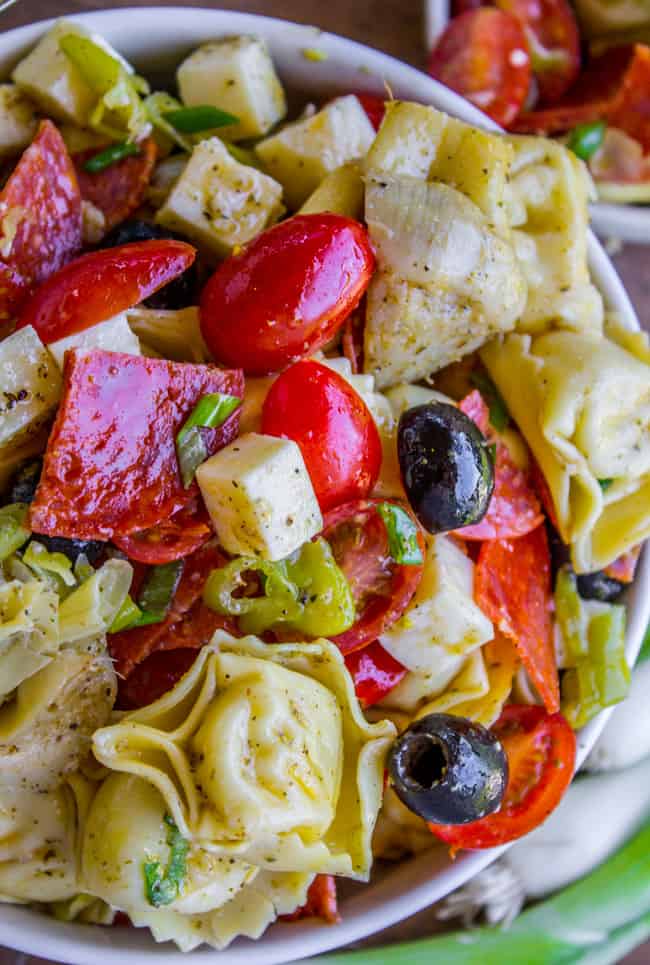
(483, 55)
(170, 540)
(321, 902)
(512, 585)
(382, 589)
(333, 426)
(287, 293)
(541, 750)
(41, 200)
(102, 284)
(375, 673)
(375, 107)
(153, 678)
(553, 42)
(462, 6)
(118, 189)
(624, 567)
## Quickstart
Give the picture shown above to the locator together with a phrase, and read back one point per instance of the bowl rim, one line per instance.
(411, 885)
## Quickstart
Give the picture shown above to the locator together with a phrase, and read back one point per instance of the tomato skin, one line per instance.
(552, 29)
(287, 293)
(541, 750)
(321, 902)
(333, 426)
(483, 55)
(382, 589)
(103, 283)
(375, 107)
(374, 672)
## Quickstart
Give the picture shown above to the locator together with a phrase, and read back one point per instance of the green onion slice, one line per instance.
(402, 535)
(113, 154)
(14, 531)
(605, 484)
(499, 415)
(192, 120)
(160, 586)
(210, 412)
(163, 887)
(585, 139)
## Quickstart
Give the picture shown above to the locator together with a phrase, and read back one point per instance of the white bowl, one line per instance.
(155, 39)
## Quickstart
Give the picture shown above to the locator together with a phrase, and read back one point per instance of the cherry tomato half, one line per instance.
(333, 426)
(541, 750)
(101, 284)
(375, 107)
(483, 55)
(553, 43)
(382, 589)
(287, 293)
(170, 540)
(374, 672)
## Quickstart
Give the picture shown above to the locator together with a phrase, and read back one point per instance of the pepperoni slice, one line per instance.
(119, 189)
(512, 585)
(40, 216)
(321, 902)
(153, 678)
(514, 509)
(110, 466)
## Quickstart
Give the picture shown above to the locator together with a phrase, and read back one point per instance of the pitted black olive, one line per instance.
(181, 292)
(448, 770)
(599, 586)
(24, 482)
(446, 466)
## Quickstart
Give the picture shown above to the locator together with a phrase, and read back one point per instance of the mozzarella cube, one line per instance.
(406, 396)
(17, 121)
(260, 497)
(218, 202)
(31, 386)
(113, 335)
(302, 154)
(237, 75)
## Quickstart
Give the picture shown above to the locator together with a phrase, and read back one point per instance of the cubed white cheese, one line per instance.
(237, 75)
(260, 497)
(17, 120)
(218, 202)
(113, 335)
(255, 392)
(50, 79)
(302, 154)
(169, 334)
(405, 396)
(31, 386)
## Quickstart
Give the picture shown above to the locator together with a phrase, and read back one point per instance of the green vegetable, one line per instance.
(156, 106)
(93, 606)
(163, 888)
(112, 154)
(194, 120)
(645, 647)
(127, 616)
(605, 484)
(160, 586)
(499, 415)
(82, 568)
(210, 411)
(402, 534)
(585, 139)
(39, 559)
(592, 922)
(13, 529)
(594, 636)
(99, 69)
(307, 592)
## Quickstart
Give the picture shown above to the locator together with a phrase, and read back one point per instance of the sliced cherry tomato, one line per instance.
(102, 284)
(375, 673)
(333, 426)
(170, 540)
(483, 55)
(40, 212)
(178, 630)
(541, 750)
(118, 189)
(287, 293)
(153, 678)
(321, 902)
(553, 37)
(512, 585)
(375, 107)
(382, 589)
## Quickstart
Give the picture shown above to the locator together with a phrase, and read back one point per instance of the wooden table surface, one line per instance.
(395, 26)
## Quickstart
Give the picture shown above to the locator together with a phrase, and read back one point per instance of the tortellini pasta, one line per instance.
(548, 197)
(29, 631)
(583, 404)
(262, 759)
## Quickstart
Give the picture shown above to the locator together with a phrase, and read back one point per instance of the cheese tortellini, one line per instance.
(583, 404)
(262, 759)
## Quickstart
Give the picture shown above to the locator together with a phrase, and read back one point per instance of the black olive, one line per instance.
(599, 586)
(448, 770)
(446, 466)
(92, 549)
(24, 482)
(181, 292)
(560, 554)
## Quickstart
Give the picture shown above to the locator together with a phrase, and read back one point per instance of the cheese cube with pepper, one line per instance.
(218, 202)
(17, 121)
(30, 388)
(260, 497)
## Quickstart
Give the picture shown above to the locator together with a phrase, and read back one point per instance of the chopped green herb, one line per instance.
(112, 154)
(402, 534)
(192, 120)
(211, 411)
(163, 888)
(605, 484)
(499, 415)
(585, 139)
